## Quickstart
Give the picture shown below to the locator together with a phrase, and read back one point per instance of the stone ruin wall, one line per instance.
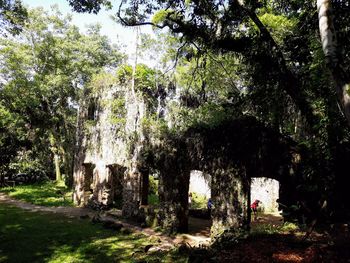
(102, 152)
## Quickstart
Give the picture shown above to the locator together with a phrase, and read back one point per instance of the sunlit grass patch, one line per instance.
(41, 237)
(270, 229)
(47, 194)
(199, 201)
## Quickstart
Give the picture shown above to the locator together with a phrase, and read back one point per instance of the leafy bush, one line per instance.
(199, 201)
(153, 199)
(153, 185)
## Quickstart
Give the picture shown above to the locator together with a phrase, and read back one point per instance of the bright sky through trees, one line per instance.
(115, 32)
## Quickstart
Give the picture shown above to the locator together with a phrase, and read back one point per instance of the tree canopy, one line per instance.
(49, 63)
(12, 16)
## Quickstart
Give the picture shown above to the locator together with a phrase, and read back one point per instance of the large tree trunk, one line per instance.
(56, 157)
(57, 167)
(331, 51)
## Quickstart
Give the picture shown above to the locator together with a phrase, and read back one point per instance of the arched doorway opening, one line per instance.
(116, 176)
(199, 220)
(267, 192)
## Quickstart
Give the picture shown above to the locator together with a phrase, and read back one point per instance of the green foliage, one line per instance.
(118, 112)
(154, 126)
(145, 78)
(199, 201)
(47, 64)
(124, 73)
(153, 185)
(233, 59)
(153, 199)
(280, 26)
(12, 16)
(46, 194)
(207, 114)
(161, 16)
(101, 82)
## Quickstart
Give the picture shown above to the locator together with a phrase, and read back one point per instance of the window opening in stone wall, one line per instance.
(92, 110)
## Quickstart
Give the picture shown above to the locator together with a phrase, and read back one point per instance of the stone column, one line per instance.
(173, 197)
(131, 194)
(108, 190)
(78, 193)
(87, 172)
(230, 195)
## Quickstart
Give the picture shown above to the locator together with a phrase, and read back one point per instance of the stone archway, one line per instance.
(233, 153)
(266, 190)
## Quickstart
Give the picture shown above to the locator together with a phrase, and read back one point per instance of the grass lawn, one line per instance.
(47, 194)
(36, 237)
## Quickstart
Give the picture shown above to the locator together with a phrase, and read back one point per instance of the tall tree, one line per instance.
(332, 52)
(49, 64)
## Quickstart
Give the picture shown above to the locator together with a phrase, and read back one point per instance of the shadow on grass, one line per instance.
(36, 237)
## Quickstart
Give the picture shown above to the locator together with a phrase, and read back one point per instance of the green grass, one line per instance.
(153, 199)
(47, 194)
(269, 229)
(37, 237)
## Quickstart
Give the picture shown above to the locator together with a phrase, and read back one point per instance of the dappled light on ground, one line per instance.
(47, 194)
(42, 237)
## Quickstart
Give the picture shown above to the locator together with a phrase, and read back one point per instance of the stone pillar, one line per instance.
(108, 191)
(173, 197)
(78, 192)
(230, 195)
(87, 180)
(131, 194)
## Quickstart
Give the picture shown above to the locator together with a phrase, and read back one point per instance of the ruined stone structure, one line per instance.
(114, 157)
(106, 166)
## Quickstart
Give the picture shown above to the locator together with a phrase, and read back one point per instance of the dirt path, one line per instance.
(272, 219)
(166, 242)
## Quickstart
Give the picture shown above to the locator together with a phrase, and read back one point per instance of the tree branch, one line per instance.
(126, 23)
(289, 82)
